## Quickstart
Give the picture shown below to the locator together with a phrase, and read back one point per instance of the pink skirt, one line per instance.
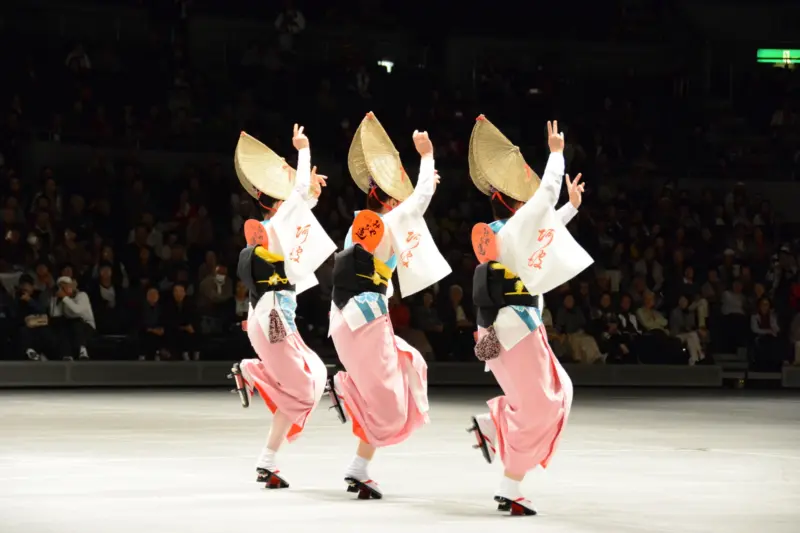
(531, 416)
(288, 375)
(385, 385)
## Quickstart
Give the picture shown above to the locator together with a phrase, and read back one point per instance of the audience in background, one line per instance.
(180, 320)
(683, 325)
(150, 244)
(768, 348)
(151, 341)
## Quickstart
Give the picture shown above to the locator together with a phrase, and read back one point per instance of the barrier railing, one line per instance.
(214, 374)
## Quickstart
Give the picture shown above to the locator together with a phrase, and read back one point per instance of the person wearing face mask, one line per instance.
(213, 294)
(384, 386)
(284, 250)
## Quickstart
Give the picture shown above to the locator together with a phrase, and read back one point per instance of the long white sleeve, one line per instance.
(566, 213)
(420, 199)
(302, 183)
(550, 188)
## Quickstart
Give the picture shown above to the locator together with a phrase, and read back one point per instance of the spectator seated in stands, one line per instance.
(33, 338)
(71, 320)
(43, 283)
(71, 252)
(458, 326)
(213, 296)
(241, 305)
(119, 272)
(144, 269)
(181, 327)
(657, 347)
(650, 269)
(769, 352)
(426, 319)
(151, 328)
(734, 320)
(109, 303)
(713, 288)
(208, 267)
(571, 321)
(629, 323)
(683, 325)
(12, 250)
(400, 315)
(613, 343)
(600, 316)
(557, 341)
(794, 337)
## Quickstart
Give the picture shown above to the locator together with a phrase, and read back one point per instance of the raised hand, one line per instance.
(318, 181)
(299, 139)
(554, 139)
(575, 190)
(423, 143)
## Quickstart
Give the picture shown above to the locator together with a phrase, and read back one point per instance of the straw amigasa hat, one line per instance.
(262, 171)
(497, 165)
(373, 161)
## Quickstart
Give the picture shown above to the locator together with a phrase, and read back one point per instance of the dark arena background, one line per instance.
(683, 338)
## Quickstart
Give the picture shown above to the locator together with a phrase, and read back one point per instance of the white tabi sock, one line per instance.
(267, 459)
(358, 469)
(509, 489)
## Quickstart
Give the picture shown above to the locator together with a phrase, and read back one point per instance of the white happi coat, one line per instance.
(295, 234)
(536, 245)
(407, 246)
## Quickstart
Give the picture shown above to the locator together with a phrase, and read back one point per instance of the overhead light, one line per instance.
(388, 65)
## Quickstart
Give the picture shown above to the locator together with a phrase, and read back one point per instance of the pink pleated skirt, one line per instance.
(288, 375)
(531, 415)
(385, 384)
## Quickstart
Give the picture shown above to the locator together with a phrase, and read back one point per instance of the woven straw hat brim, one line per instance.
(259, 169)
(495, 162)
(373, 155)
(478, 177)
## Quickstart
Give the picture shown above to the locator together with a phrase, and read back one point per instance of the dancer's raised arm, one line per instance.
(420, 199)
(575, 189)
(550, 188)
(307, 182)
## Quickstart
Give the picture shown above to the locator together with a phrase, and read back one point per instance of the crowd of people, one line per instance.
(119, 250)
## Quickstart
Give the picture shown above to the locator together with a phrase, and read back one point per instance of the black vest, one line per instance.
(261, 276)
(353, 273)
(491, 291)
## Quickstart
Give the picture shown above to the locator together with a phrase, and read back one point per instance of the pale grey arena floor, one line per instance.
(177, 462)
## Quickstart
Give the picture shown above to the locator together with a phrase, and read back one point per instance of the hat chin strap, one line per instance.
(374, 195)
(268, 208)
(496, 194)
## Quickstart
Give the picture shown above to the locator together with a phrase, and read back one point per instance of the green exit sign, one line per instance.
(776, 56)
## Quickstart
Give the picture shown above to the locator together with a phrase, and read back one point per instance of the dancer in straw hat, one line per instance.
(284, 250)
(384, 387)
(525, 252)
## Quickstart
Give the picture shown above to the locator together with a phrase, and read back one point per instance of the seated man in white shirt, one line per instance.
(71, 319)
